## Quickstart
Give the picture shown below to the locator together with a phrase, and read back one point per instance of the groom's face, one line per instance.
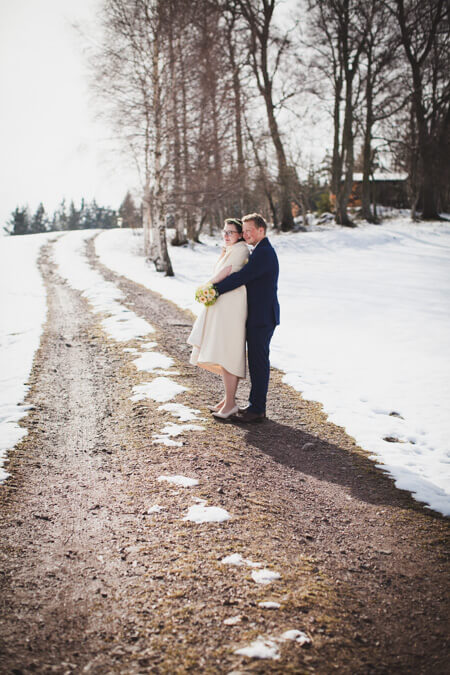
(251, 233)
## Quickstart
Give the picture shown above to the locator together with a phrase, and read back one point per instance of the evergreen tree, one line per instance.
(19, 223)
(89, 216)
(61, 216)
(53, 223)
(83, 215)
(39, 221)
(73, 219)
(129, 214)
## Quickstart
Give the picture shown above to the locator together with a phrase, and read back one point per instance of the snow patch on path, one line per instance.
(263, 648)
(171, 429)
(182, 481)
(238, 560)
(156, 508)
(266, 647)
(151, 361)
(297, 636)
(199, 513)
(265, 576)
(160, 389)
(268, 604)
(181, 411)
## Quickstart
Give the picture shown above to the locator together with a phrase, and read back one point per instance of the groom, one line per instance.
(260, 276)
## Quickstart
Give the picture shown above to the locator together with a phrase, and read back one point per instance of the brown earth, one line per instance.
(92, 583)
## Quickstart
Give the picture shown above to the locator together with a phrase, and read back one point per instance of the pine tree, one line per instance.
(73, 219)
(128, 213)
(39, 221)
(61, 216)
(19, 223)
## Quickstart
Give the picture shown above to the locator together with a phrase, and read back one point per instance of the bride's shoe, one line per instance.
(215, 408)
(225, 416)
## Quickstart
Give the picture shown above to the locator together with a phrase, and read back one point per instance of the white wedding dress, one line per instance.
(218, 334)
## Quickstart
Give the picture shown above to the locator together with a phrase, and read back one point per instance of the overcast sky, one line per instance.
(51, 146)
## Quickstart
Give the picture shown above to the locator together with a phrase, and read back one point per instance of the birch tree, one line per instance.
(130, 74)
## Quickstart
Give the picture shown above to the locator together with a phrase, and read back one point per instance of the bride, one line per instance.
(218, 334)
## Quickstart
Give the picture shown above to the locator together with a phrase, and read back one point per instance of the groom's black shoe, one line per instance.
(249, 417)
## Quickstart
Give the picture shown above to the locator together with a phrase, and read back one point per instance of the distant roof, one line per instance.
(382, 175)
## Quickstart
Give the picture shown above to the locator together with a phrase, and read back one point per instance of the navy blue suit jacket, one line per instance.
(260, 276)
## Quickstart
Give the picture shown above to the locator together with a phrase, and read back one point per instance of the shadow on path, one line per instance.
(328, 462)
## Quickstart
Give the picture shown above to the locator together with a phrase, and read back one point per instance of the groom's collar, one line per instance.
(260, 242)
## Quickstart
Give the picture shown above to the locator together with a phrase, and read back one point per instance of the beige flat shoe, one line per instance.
(225, 416)
(214, 408)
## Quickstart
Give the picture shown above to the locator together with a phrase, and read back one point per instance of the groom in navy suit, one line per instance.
(260, 276)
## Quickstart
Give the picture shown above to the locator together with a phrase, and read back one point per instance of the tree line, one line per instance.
(89, 215)
(206, 96)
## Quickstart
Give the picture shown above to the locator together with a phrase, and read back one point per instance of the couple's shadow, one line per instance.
(316, 457)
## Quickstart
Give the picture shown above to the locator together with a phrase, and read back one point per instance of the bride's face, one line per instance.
(230, 235)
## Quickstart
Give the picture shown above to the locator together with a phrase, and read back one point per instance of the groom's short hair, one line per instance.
(258, 220)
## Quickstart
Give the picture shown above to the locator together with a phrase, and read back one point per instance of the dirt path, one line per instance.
(93, 583)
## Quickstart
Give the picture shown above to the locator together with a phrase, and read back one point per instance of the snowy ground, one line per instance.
(23, 311)
(365, 329)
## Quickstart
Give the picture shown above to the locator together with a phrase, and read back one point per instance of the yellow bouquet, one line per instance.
(206, 294)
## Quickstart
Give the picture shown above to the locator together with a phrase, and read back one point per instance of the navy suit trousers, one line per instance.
(258, 342)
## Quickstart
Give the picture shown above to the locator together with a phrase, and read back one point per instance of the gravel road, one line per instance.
(91, 582)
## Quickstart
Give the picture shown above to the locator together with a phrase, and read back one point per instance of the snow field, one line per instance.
(365, 330)
(23, 310)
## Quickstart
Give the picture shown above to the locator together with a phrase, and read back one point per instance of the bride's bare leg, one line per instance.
(230, 383)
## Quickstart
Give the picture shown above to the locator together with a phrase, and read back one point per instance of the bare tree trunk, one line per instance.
(336, 167)
(417, 56)
(180, 236)
(262, 173)
(188, 217)
(146, 222)
(162, 259)
(367, 147)
(259, 22)
(238, 130)
(287, 220)
(345, 187)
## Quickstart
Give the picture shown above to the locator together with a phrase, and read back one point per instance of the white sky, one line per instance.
(50, 144)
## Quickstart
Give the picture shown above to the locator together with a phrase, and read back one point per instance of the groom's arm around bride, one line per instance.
(260, 276)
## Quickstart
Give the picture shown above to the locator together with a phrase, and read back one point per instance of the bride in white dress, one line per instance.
(218, 334)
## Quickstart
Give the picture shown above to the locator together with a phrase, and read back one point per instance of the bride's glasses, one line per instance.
(228, 233)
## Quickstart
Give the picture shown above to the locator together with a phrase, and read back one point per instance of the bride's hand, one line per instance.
(220, 276)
